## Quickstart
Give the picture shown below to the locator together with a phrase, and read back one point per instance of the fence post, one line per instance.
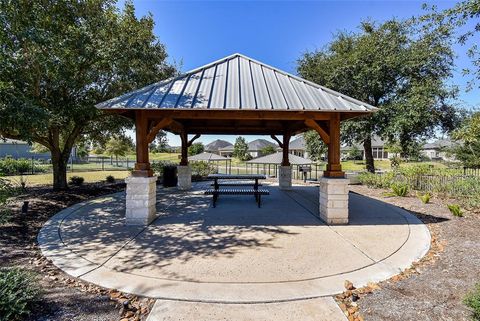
(33, 167)
(127, 163)
(71, 163)
(103, 161)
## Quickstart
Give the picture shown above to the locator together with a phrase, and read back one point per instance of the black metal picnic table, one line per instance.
(216, 191)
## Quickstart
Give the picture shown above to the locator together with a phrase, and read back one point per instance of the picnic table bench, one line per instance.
(216, 191)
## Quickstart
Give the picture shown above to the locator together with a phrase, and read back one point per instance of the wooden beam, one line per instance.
(184, 148)
(315, 126)
(190, 142)
(238, 114)
(142, 165)
(286, 143)
(277, 140)
(165, 122)
(334, 168)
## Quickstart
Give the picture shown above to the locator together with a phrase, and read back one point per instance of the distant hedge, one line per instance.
(11, 166)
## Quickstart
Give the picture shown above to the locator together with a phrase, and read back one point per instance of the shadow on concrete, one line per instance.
(363, 210)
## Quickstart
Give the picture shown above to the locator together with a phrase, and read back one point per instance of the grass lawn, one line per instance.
(47, 179)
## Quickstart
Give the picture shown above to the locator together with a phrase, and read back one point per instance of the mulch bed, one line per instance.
(433, 289)
(64, 297)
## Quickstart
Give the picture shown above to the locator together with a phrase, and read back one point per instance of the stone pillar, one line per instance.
(140, 200)
(333, 200)
(184, 177)
(285, 177)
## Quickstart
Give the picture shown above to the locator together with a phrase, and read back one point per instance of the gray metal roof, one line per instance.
(298, 143)
(277, 159)
(216, 145)
(259, 144)
(207, 157)
(439, 144)
(237, 82)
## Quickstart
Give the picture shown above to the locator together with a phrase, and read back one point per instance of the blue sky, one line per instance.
(275, 32)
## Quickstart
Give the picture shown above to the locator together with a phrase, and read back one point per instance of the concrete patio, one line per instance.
(235, 253)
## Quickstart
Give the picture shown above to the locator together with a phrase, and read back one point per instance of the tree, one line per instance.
(195, 149)
(38, 148)
(59, 58)
(240, 149)
(398, 66)
(267, 150)
(314, 145)
(162, 141)
(458, 17)
(82, 149)
(468, 136)
(119, 145)
(354, 153)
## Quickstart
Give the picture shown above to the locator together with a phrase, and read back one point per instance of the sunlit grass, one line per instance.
(47, 179)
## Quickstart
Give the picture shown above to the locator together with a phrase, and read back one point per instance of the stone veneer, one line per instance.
(184, 177)
(285, 177)
(140, 200)
(334, 200)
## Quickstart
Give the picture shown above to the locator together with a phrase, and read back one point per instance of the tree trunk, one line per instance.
(59, 163)
(369, 162)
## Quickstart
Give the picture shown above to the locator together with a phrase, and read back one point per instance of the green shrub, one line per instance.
(110, 179)
(202, 169)
(384, 180)
(398, 189)
(10, 166)
(159, 166)
(425, 198)
(18, 293)
(76, 180)
(7, 190)
(472, 300)
(455, 210)
(395, 162)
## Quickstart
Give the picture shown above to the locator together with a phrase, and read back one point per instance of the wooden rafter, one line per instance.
(190, 142)
(165, 122)
(277, 140)
(315, 126)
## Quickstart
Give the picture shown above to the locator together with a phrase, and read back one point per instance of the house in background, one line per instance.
(256, 146)
(19, 149)
(438, 150)
(378, 149)
(224, 148)
(220, 147)
(298, 147)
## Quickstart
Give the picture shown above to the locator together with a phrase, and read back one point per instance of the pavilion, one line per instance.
(236, 95)
(212, 158)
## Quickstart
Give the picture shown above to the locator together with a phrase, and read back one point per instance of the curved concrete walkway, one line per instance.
(235, 253)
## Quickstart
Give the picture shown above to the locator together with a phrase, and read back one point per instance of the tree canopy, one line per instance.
(314, 146)
(468, 136)
(59, 58)
(463, 18)
(240, 149)
(119, 145)
(267, 150)
(400, 67)
(196, 148)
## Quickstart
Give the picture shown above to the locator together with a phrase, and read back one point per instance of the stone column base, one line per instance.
(333, 200)
(140, 200)
(285, 177)
(184, 177)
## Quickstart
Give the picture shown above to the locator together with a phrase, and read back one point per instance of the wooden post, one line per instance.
(334, 168)
(285, 144)
(142, 166)
(184, 148)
